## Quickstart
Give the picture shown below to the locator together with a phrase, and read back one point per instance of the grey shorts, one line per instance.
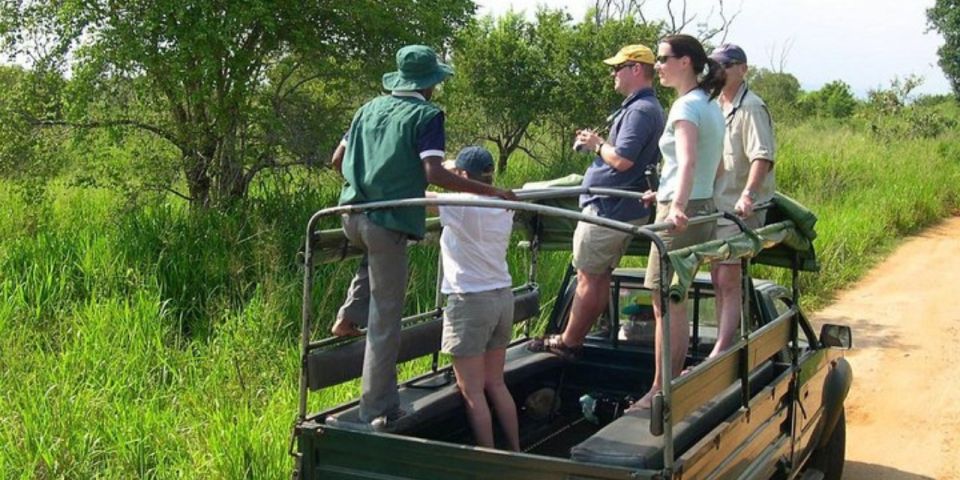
(691, 236)
(596, 249)
(727, 229)
(477, 322)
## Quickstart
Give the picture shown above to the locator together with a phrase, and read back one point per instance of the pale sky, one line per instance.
(865, 43)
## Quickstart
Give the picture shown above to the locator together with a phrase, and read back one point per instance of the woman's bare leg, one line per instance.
(470, 379)
(500, 397)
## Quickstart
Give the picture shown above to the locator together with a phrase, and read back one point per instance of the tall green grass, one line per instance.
(154, 341)
(868, 194)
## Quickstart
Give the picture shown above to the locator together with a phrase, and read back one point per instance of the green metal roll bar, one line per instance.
(661, 422)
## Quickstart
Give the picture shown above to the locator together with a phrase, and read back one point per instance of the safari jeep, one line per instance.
(769, 407)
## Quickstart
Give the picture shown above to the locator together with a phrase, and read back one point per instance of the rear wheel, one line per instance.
(829, 458)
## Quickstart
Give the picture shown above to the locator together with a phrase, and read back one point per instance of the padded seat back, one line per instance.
(423, 405)
(342, 362)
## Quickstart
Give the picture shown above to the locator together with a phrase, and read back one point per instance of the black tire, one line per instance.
(829, 459)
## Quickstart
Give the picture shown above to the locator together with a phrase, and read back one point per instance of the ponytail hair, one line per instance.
(713, 79)
(710, 74)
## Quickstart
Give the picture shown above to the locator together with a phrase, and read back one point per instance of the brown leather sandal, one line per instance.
(554, 344)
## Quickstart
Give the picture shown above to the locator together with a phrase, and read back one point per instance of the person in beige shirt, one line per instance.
(745, 179)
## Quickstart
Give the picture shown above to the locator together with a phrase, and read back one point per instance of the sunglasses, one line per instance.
(617, 68)
(663, 58)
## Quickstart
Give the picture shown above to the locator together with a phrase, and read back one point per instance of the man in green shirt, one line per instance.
(393, 150)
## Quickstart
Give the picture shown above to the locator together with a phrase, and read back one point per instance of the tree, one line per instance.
(585, 96)
(679, 17)
(834, 100)
(215, 80)
(28, 155)
(502, 81)
(779, 90)
(944, 17)
(891, 100)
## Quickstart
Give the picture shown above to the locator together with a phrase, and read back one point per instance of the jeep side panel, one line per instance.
(335, 454)
(739, 443)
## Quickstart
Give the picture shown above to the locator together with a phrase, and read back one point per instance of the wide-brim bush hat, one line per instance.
(417, 69)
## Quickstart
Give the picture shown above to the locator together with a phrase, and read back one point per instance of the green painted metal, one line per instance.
(771, 433)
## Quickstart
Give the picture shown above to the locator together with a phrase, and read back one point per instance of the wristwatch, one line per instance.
(597, 150)
(750, 194)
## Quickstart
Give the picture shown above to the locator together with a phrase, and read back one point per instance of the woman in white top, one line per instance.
(692, 148)
(478, 318)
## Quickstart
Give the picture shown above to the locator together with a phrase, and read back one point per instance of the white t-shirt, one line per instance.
(697, 108)
(473, 247)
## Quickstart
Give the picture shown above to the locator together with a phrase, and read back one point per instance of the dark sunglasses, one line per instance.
(663, 58)
(617, 68)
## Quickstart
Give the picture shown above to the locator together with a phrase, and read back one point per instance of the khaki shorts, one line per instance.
(597, 250)
(727, 229)
(477, 322)
(693, 235)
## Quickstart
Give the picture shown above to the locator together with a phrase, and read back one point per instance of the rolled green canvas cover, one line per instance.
(787, 236)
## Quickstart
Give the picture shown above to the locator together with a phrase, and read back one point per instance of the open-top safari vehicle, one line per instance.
(769, 407)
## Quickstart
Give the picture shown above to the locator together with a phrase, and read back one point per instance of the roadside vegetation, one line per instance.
(145, 334)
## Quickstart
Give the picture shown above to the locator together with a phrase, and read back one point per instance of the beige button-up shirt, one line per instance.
(748, 137)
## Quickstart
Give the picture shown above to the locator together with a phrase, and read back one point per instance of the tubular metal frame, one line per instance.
(647, 231)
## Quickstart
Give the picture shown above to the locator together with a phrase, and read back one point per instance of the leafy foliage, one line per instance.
(892, 117)
(219, 81)
(833, 100)
(529, 86)
(944, 17)
(27, 155)
(779, 90)
(892, 99)
(502, 84)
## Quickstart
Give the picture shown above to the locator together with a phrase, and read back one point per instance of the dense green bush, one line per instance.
(891, 115)
(779, 90)
(833, 100)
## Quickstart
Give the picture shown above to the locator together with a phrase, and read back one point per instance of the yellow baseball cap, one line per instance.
(632, 53)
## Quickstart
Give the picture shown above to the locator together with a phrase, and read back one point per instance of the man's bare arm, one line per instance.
(337, 159)
(441, 177)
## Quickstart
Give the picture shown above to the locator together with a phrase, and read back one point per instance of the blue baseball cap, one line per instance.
(728, 53)
(476, 161)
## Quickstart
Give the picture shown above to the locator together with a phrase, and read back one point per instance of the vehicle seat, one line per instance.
(627, 441)
(422, 403)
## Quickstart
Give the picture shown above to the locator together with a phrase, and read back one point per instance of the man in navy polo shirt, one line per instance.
(621, 162)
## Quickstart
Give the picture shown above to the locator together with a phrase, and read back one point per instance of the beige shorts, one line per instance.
(693, 235)
(727, 229)
(477, 322)
(596, 249)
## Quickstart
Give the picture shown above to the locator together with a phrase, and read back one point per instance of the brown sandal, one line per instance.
(554, 344)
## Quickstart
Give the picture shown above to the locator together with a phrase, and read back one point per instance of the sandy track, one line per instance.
(903, 412)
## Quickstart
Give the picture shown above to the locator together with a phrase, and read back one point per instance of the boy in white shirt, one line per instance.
(478, 319)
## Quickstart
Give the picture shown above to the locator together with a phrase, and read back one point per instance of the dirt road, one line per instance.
(903, 412)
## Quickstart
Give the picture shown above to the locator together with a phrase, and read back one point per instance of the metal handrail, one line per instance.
(646, 231)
